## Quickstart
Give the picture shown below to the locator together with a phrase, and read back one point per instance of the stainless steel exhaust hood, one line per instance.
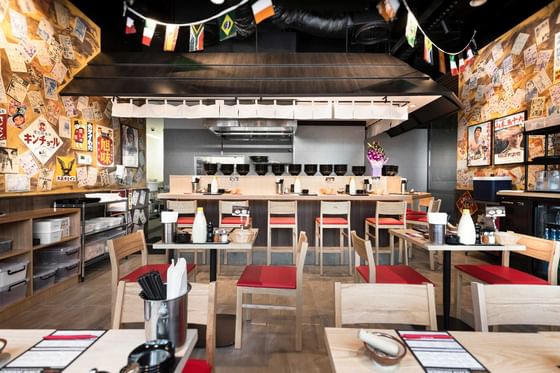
(247, 129)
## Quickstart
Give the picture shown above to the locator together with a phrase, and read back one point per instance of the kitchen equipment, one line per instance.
(389, 170)
(221, 235)
(404, 185)
(294, 169)
(169, 232)
(243, 168)
(280, 186)
(310, 169)
(325, 169)
(259, 158)
(437, 222)
(261, 169)
(210, 168)
(195, 182)
(340, 169)
(358, 170)
(226, 168)
(278, 169)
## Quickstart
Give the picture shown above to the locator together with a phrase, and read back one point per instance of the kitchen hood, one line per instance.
(248, 129)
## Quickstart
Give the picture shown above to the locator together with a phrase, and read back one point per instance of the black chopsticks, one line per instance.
(152, 286)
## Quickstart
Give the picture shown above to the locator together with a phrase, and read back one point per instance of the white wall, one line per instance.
(155, 152)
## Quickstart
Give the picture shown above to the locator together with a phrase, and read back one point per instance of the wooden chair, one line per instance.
(385, 304)
(124, 246)
(387, 216)
(282, 215)
(372, 273)
(186, 210)
(420, 218)
(201, 309)
(538, 248)
(283, 281)
(515, 305)
(333, 215)
(227, 220)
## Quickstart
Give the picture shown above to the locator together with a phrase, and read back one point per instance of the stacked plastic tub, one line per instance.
(13, 280)
(54, 264)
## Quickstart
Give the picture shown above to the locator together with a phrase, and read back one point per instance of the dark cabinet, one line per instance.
(519, 215)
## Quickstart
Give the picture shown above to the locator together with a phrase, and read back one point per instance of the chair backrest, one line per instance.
(385, 304)
(426, 203)
(226, 207)
(435, 205)
(391, 209)
(515, 305)
(364, 250)
(201, 309)
(300, 261)
(183, 207)
(335, 208)
(282, 208)
(539, 248)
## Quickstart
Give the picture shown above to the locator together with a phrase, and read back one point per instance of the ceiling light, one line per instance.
(475, 3)
(217, 2)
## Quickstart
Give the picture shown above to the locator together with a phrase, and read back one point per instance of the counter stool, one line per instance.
(282, 215)
(186, 210)
(334, 215)
(227, 220)
(387, 216)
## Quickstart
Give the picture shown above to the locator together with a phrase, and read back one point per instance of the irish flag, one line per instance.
(262, 9)
(148, 33)
(453, 66)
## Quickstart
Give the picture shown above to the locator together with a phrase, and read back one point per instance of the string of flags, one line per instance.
(457, 60)
(262, 10)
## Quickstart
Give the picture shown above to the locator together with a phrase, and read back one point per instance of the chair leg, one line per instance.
(376, 246)
(248, 300)
(239, 318)
(432, 263)
(249, 257)
(299, 317)
(341, 246)
(458, 290)
(392, 248)
(321, 250)
(225, 256)
(268, 246)
(294, 245)
(406, 252)
(350, 267)
(316, 244)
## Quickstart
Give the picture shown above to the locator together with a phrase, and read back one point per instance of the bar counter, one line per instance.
(409, 197)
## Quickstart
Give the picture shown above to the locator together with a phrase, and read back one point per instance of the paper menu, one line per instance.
(439, 352)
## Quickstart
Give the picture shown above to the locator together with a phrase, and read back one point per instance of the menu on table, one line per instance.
(440, 352)
(54, 352)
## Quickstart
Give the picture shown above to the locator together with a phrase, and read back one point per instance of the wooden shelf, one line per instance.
(14, 252)
(35, 214)
(37, 247)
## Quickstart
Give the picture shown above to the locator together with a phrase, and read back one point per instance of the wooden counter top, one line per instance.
(512, 193)
(291, 197)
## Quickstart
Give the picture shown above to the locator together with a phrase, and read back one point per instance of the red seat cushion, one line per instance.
(161, 268)
(276, 277)
(333, 221)
(415, 212)
(496, 274)
(233, 220)
(185, 220)
(399, 274)
(197, 366)
(385, 221)
(282, 220)
(423, 219)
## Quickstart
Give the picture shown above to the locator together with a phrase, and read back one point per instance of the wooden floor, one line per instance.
(268, 342)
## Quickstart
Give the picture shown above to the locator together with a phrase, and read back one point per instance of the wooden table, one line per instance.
(412, 236)
(499, 352)
(109, 353)
(213, 247)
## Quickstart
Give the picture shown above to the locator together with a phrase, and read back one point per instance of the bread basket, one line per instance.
(382, 358)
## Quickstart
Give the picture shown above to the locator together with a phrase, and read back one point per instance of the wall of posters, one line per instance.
(129, 146)
(479, 144)
(508, 139)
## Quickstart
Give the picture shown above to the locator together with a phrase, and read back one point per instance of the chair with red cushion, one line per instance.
(538, 248)
(388, 215)
(333, 215)
(227, 220)
(124, 246)
(282, 281)
(372, 273)
(201, 310)
(420, 218)
(187, 210)
(282, 215)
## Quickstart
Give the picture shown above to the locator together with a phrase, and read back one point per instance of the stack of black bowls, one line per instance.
(210, 168)
(325, 169)
(340, 169)
(294, 169)
(310, 169)
(243, 168)
(358, 170)
(261, 169)
(278, 169)
(226, 168)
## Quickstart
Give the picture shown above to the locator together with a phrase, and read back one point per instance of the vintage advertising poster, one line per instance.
(27, 164)
(17, 183)
(535, 146)
(84, 159)
(16, 114)
(41, 139)
(542, 32)
(538, 107)
(18, 24)
(65, 169)
(50, 88)
(3, 127)
(80, 29)
(508, 139)
(519, 43)
(479, 139)
(67, 48)
(17, 89)
(69, 106)
(45, 30)
(79, 135)
(105, 147)
(89, 134)
(64, 129)
(44, 180)
(556, 68)
(15, 59)
(9, 162)
(129, 140)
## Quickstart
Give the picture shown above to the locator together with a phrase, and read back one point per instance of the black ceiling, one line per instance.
(366, 32)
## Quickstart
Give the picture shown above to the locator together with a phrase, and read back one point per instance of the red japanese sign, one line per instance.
(105, 147)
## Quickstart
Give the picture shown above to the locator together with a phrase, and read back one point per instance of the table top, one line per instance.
(109, 353)
(498, 352)
(209, 245)
(293, 196)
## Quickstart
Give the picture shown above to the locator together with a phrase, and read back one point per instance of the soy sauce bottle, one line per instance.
(209, 232)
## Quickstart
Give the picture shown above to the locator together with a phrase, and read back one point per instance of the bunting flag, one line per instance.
(171, 32)
(262, 9)
(428, 51)
(461, 63)
(196, 39)
(411, 28)
(227, 27)
(148, 34)
(441, 57)
(470, 56)
(129, 29)
(453, 66)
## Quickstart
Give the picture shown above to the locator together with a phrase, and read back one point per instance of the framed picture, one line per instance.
(508, 139)
(129, 141)
(479, 140)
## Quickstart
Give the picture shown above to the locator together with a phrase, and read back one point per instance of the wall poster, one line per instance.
(129, 146)
(479, 138)
(41, 139)
(508, 139)
(105, 147)
(82, 136)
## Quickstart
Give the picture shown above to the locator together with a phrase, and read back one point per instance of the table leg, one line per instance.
(213, 264)
(446, 288)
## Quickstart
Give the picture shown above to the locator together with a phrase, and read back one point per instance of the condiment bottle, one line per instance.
(214, 185)
(199, 229)
(466, 230)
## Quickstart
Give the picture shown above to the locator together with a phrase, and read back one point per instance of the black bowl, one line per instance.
(243, 168)
(325, 169)
(358, 170)
(259, 158)
(278, 169)
(226, 168)
(340, 169)
(390, 170)
(210, 168)
(310, 169)
(294, 169)
(261, 169)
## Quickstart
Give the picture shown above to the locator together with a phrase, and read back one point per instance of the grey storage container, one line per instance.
(67, 269)
(13, 270)
(12, 293)
(44, 278)
(57, 255)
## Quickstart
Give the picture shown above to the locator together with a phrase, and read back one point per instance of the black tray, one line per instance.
(308, 194)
